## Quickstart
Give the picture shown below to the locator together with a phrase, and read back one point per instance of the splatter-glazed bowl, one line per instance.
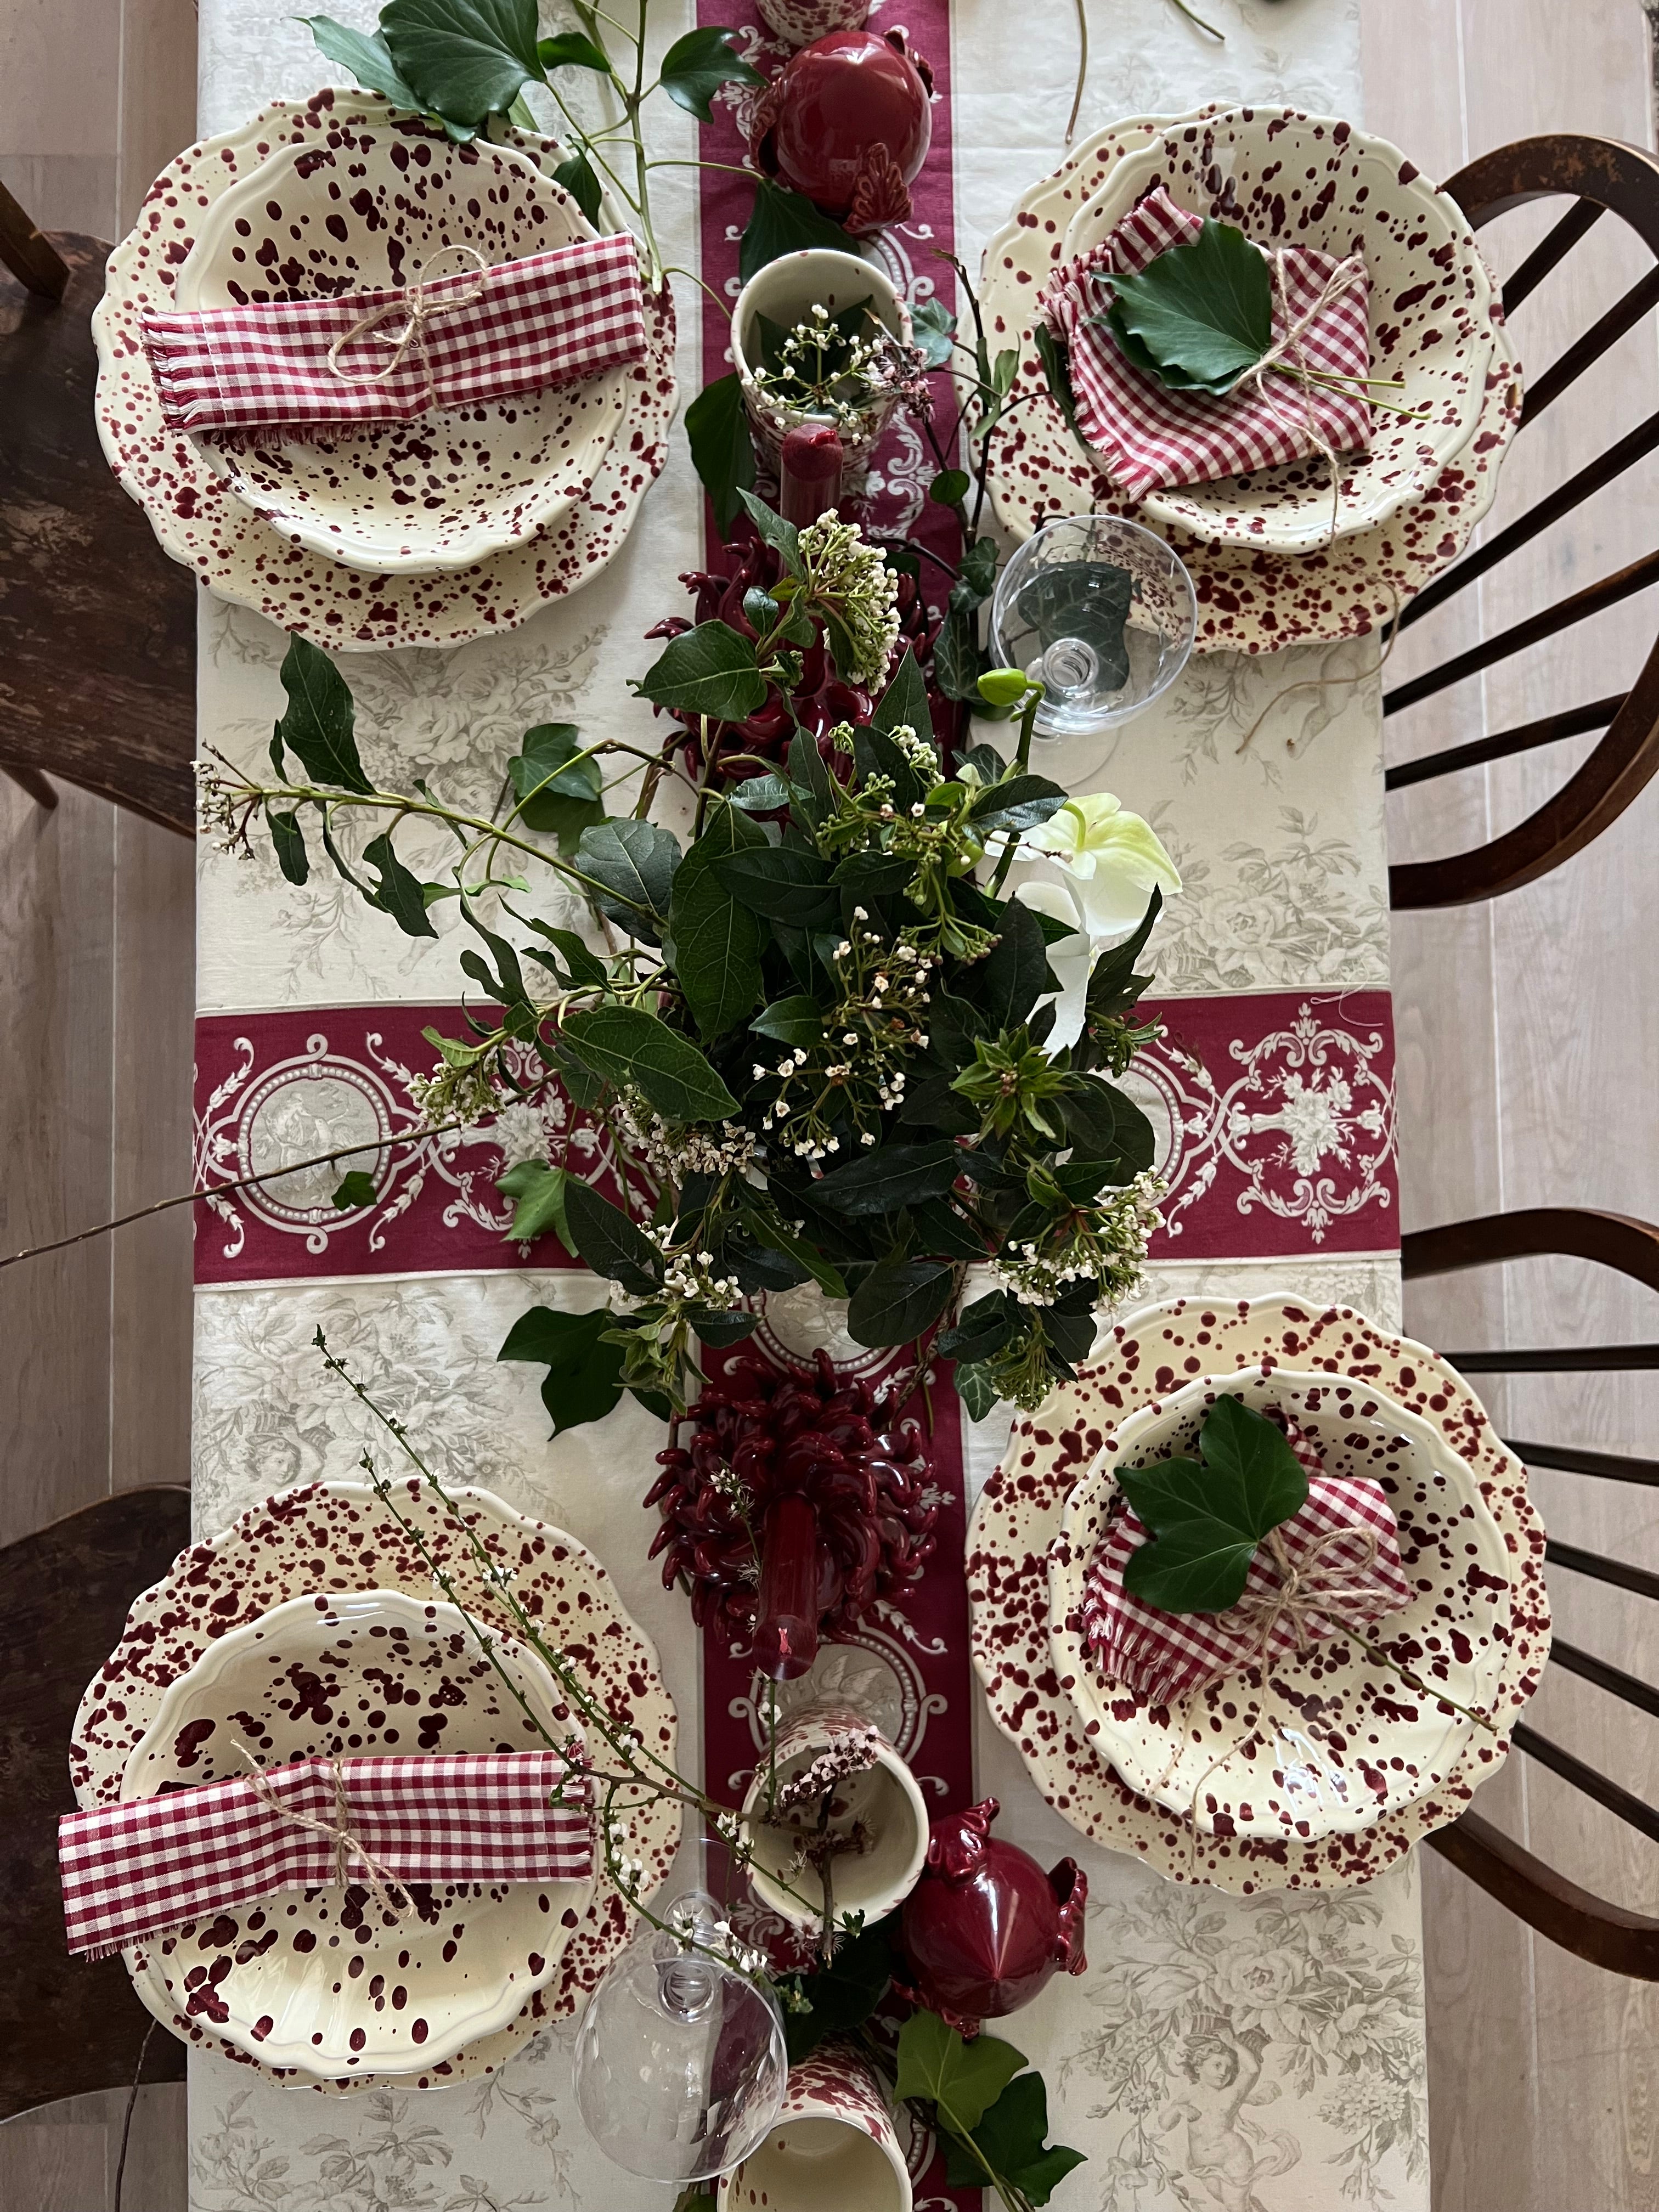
(320, 1978)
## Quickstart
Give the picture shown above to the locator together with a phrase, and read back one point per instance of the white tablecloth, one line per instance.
(1283, 852)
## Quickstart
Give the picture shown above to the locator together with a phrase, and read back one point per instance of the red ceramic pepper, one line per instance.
(848, 122)
(985, 1929)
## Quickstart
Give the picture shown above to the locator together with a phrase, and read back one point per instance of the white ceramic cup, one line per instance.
(798, 22)
(786, 291)
(883, 1798)
(832, 2149)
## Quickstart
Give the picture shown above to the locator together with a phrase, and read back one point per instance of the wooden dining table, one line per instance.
(1248, 2054)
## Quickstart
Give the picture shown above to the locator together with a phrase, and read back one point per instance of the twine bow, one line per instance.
(418, 311)
(1314, 1583)
(347, 1843)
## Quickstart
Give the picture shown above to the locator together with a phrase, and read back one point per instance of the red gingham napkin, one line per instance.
(1150, 437)
(131, 1870)
(1161, 1656)
(557, 318)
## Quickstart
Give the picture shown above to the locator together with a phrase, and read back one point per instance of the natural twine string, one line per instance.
(1287, 358)
(339, 1831)
(413, 303)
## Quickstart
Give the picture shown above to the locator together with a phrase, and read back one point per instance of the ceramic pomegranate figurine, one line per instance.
(985, 1929)
(847, 121)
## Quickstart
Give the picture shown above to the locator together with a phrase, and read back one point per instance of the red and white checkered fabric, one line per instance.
(1150, 437)
(557, 318)
(131, 1870)
(1161, 1656)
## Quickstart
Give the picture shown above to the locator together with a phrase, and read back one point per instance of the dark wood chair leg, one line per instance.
(1587, 1925)
(30, 256)
(32, 781)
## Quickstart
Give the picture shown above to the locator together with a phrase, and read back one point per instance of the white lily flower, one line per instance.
(1115, 858)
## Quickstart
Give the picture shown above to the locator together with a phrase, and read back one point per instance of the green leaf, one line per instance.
(581, 964)
(464, 59)
(984, 1327)
(1014, 974)
(1106, 1128)
(611, 1243)
(955, 656)
(709, 671)
(1198, 316)
(962, 2079)
(1010, 2138)
(1018, 803)
(538, 1192)
(898, 1299)
(1057, 374)
(1208, 1520)
(576, 177)
(782, 536)
(791, 1022)
(1113, 987)
(809, 772)
(354, 1190)
(934, 329)
(558, 787)
(1040, 2178)
(366, 56)
(783, 883)
(843, 1995)
(943, 1233)
(584, 1377)
(636, 861)
(873, 874)
(783, 222)
(977, 575)
(824, 1273)
(318, 725)
(718, 942)
(627, 1046)
(722, 451)
(289, 841)
(975, 1388)
(401, 894)
(761, 794)
(571, 50)
(949, 487)
(695, 67)
(904, 704)
(721, 1330)
(1089, 601)
(874, 753)
(889, 1177)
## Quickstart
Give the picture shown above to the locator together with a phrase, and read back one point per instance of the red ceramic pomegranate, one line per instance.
(985, 1929)
(847, 121)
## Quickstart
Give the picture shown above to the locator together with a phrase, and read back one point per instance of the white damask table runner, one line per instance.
(1249, 2055)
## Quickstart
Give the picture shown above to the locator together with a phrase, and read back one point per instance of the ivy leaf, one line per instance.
(627, 1046)
(611, 1243)
(935, 328)
(1198, 316)
(722, 451)
(783, 222)
(464, 59)
(1010, 2139)
(636, 861)
(708, 671)
(955, 656)
(317, 727)
(791, 1022)
(366, 56)
(354, 1190)
(1086, 599)
(975, 1388)
(1208, 1520)
(553, 781)
(538, 1192)
(964, 2079)
(571, 50)
(695, 67)
(401, 894)
(289, 840)
(576, 177)
(976, 577)
(949, 487)
(898, 1299)
(583, 1372)
(892, 1176)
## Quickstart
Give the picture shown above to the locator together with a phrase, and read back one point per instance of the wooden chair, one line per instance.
(97, 625)
(67, 2025)
(1600, 176)
(1605, 1934)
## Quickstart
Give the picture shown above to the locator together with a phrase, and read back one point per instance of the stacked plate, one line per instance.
(1265, 565)
(310, 1629)
(1323, 1771)
(428, 533)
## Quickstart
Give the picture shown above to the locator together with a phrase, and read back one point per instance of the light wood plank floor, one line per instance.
(1529, 1032)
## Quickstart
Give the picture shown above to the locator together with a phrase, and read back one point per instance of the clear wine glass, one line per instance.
(680, 2062)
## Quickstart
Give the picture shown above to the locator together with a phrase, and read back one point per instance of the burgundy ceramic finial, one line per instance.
(847, 121)
(985, 1929)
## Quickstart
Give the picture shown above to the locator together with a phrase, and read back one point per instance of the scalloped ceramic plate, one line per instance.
(199, 519)
(336, 1537)
(1250, 599)
(1018, 1514)
(1288, 179)
(1330, 1742)
(317, 1978)
(454, 485)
